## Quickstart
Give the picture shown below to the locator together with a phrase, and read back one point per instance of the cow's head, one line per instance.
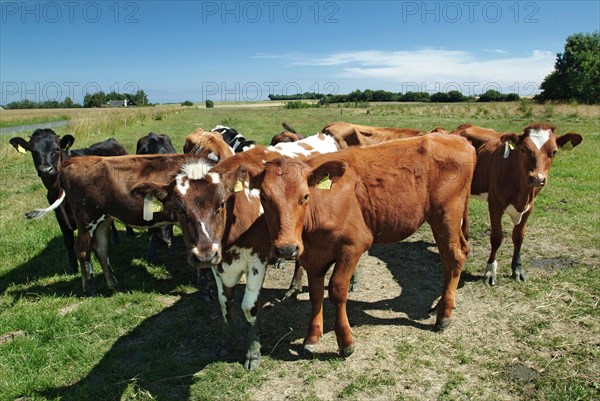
(287, 187)
(153, 144)
(534, 151)
(46, 149)
(198, 198)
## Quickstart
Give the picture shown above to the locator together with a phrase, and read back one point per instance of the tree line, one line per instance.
(97, 99)
(369, 95)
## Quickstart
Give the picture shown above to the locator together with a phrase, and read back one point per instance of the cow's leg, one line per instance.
(84, 247)
(355, 280)
(518, 272)
(338, 294)
(129, 231)
(101, 239)
(226, 277)
(296, 284)
(255, 276)
(69, 240)
(204, 286)
(454, 250)
(316, 290)
(496, 238)
(114, 232)
(152, 244)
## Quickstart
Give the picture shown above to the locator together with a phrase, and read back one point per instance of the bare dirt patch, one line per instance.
(8, 337)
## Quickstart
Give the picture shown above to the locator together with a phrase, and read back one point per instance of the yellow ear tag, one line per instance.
(21, 149)
(238, 187)
(157, 206)
(512, 145)
(325, 183)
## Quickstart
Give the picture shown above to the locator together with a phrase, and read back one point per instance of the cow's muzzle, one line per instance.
(288, 251)
(204, 258)
(537, 180)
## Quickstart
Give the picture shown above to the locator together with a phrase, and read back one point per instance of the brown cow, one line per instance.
(245, 248)
(334, 207)
(511, 170)
(208, 145)
(100, 189)
(347, 134)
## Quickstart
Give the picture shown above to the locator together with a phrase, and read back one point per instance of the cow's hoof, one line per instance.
(252, 362)
(90, 292)
(308, 351)
(291, 294)
(489, 280)
(345, 352)
(443, 325)
(279, 263)
(354, 286)
(519, 275)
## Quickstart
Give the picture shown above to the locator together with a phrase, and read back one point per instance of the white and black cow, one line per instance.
(234, 139)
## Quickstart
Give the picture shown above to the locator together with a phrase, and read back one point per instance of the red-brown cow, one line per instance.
(334, 207)
(243, 237)
(208, 145)
(289, 135)
(347, 134)
(100, 189)
(511, 170)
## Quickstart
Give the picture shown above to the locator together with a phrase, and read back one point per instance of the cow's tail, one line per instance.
(39, 213)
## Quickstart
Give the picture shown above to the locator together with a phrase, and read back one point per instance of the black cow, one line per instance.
(153, 144)
(49, 151)
(233, 138)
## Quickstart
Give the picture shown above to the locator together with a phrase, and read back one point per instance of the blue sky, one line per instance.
(244, 50)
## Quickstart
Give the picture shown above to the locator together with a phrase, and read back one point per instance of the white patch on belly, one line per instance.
(482, 196)
(514, 214)
(539, 137)
(94, 225)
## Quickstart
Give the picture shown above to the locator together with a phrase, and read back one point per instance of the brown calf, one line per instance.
(232, 234)
(511, 170)
(208, 145)
(100, 189)
(334, 207)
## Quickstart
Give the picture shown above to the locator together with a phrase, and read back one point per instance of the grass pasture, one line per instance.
(155, 340)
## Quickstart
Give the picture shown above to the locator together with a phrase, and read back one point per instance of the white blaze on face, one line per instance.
(539, 137)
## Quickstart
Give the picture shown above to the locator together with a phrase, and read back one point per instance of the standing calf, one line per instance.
(332, 208)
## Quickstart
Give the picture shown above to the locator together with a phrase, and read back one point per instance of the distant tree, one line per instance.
(187, 103)
(492, 95)
(456, 96)
(439, 97)
(68, 103)
(97, 99)
(576, 71)
(512, 97)
(416, 97)
(209, 104)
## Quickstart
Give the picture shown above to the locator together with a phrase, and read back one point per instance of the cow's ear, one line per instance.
(233, 181)
(575, 139)
(66, 142)
(327, 173)
(256, 181)
(159, 191)
(20, 144)
(511, 138)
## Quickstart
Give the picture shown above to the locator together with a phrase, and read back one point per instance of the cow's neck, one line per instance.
(243, 213)
(520, 195)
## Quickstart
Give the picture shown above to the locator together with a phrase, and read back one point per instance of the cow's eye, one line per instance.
(552, 154)
(304, 199)
(222, 205)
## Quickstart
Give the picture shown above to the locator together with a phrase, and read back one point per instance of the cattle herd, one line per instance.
(322, 200)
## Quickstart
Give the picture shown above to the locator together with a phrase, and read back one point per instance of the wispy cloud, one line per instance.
(437, 67)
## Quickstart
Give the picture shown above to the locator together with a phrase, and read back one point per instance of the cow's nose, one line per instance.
(537, 180)
(204, 259)
(288, 251)
(46, 169)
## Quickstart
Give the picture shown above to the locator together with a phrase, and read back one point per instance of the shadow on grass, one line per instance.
(132, 272)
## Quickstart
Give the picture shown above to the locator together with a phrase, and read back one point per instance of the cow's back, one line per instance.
(397, 184)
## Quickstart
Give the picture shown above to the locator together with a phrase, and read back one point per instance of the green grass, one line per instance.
(31, 121)
(155, 340)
